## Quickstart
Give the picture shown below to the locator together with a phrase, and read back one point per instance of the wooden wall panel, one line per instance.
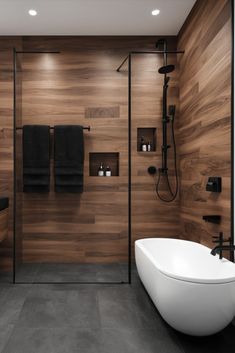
(6, 139)
(151, 217)
(59, 89)
(205, 118)
(81, 86)
(3, 224)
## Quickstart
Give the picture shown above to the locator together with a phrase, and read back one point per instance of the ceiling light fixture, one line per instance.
(155, 12)
(32, 12)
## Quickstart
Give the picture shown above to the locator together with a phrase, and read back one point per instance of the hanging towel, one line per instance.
(36, 158)
(68, 158)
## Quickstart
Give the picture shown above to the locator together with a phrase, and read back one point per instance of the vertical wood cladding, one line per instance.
(205, 118)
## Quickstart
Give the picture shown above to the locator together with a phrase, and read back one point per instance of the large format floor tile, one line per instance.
(48, 309)
(86, 318)
(5, 333)
(62, 273)
(88, 341)
(119, 313)
(43, 340)
(137, 341)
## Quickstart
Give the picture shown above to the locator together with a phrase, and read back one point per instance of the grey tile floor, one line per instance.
(89, 318)
(62, 272)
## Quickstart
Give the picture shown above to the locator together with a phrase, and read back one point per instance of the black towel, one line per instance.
(4, 203)
(36, 158)
(69, 158)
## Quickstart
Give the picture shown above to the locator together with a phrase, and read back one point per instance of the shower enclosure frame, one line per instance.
(128, 59)
(15, 128)
(232, 127)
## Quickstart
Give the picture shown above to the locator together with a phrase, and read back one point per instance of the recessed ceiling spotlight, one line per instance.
(32, 12)
(155, 12)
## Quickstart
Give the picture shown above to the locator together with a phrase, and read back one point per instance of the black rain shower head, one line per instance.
(166, 69)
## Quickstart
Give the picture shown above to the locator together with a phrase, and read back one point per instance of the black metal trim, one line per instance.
(14, 166)
(232, 127)
(129, 170)
(119, 67)
(149, 52)
(158, 52)
(129, 58)
(15, 52)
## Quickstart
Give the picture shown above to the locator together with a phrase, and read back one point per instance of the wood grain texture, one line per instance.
(102, 112)
(150, 216)
(58, 89)
(3, 224)
(205, 118)
(81, 86)
(6, 138)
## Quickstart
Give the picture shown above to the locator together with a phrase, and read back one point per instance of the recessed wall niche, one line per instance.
(149, 134)
(110, 159)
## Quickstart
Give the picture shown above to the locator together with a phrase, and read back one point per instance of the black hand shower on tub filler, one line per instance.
(167, 119)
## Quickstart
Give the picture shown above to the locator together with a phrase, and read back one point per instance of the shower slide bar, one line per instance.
(149, 52)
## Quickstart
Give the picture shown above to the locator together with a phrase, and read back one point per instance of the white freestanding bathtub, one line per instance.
(193, 290)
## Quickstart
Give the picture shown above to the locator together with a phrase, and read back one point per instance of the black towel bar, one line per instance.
(52, 128)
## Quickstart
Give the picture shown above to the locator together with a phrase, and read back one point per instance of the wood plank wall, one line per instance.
(3, 224)
(80, 85)
(58, 89)
(205, 118)
(151, 217)
(6, 140)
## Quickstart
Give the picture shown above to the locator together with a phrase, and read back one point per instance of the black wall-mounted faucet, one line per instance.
(218, 249)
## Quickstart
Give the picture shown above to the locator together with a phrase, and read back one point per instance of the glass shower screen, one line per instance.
(71, 237)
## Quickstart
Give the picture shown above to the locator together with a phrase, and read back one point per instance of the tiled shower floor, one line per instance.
(62, 272)
(92, 319)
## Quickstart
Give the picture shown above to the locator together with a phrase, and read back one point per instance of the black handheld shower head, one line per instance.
(171, 110)
(166, 69)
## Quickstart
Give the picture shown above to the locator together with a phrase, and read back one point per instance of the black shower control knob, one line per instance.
(214, 184)
(152, 170)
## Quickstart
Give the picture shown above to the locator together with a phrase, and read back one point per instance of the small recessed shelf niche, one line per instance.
(110, 159)
(149, 134)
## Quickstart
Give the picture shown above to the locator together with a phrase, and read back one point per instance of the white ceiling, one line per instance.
(93, 17)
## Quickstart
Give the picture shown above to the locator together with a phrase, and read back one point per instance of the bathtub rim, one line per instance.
(139, 243)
